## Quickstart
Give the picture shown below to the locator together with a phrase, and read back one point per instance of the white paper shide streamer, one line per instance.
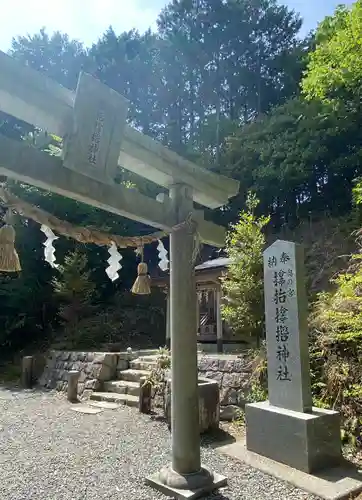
(162, 255)
(49, 250)
(113, 262)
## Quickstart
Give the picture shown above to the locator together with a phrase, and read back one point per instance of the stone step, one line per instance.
(133, 375)
(145, 353)
(152, 358)
(122, 387)
(113, 397)
(138, 364)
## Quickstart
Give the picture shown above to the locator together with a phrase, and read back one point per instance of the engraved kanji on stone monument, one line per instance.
(286, 428)
(94, 140)
(286, 327)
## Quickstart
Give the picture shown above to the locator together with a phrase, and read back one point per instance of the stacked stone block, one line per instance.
(232, 374)
(94, 367)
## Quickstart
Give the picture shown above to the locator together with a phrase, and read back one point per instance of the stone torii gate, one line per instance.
(96, 139)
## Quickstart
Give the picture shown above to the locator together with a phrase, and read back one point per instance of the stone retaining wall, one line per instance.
(94, 367)
(231, 372)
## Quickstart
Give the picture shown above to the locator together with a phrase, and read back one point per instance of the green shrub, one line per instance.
(157, 377)
(336, 350)
(258, 383)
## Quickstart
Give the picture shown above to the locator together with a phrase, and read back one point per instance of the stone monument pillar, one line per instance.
(287, 428)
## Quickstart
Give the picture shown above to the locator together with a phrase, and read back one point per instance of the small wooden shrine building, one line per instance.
(213, 334)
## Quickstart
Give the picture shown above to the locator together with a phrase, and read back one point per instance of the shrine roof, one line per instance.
(214, 263)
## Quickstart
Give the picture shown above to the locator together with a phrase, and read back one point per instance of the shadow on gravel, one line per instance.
(212, 439)
(157, 416)
(218, 496)
(217, 438)
(7, 389)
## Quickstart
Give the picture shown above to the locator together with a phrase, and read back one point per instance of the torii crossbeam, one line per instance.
(92, 123)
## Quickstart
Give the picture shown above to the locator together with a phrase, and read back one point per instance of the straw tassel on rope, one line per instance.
(9, 259)
(142, 285)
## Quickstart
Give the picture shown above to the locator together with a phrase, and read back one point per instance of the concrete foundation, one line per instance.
(305, 441)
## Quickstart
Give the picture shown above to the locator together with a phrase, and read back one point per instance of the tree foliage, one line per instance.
(243, 308)
(56, 55)
(300, 159)
(334, 70)
(336, 350)
(231, 59)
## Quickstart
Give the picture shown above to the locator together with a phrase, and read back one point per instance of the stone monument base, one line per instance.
(308, 442)
(337, 483)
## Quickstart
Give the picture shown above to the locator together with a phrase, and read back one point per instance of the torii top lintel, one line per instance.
(36, 99)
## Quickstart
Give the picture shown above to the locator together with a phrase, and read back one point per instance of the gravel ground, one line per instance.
(48, 452)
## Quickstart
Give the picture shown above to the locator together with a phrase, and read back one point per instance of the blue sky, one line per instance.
(85, 20)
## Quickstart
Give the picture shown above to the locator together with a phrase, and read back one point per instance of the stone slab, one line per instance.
(305, 441)
(104, 404)
(154, 481)
(338, 483)
(86, 409)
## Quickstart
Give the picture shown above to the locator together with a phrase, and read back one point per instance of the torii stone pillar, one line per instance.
(185, 415)
(185, 478)
(168, 319)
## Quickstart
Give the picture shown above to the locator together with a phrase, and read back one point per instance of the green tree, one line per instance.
(128, 63)
(243, 286)
(300, 159)
(334, 69)
(75, 290)
(234, 59)
(209, 63)
(56, 55)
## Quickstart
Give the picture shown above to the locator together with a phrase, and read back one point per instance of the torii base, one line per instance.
(190, 486)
